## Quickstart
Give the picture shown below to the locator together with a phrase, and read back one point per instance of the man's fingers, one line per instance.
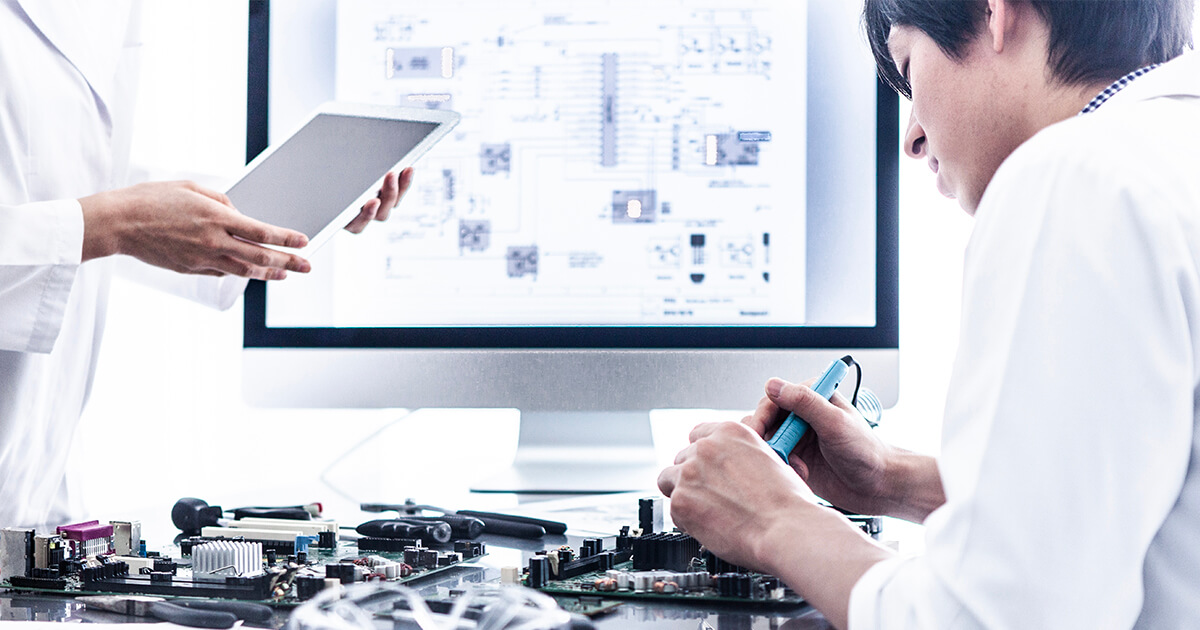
(263, 233)
(668, 479)
(259, 256)
(685, 454)
(389, 196)
(406, 179)
(365, 216)
(765, 419)
(225, 265)
(702, 430)
(799, 399)
(220, 198)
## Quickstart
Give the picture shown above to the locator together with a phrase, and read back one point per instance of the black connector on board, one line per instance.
(650, 515)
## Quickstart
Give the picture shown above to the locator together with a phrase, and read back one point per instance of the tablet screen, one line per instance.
(322, 169)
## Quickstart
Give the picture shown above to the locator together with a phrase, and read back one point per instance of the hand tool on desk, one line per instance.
(190, 514)
(185, 612)
(429, 532)
(493, 522)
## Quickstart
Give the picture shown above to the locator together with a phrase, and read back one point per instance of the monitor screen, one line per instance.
(658, 204)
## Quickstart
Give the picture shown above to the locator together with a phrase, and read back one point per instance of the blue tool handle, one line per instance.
(794, 427)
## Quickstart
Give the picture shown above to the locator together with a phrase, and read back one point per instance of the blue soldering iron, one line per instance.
(794, 427)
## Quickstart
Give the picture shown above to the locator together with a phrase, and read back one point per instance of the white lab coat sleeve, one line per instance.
(1068, 426)
(221, 293)
(41, 246)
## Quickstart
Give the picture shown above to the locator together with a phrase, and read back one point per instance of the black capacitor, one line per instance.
(327, 540)
(302, 557)
(539, 571)
(745, 585)
(342, 571)
(307, 586)
(725, 584)
(272, 556)
(565, 555)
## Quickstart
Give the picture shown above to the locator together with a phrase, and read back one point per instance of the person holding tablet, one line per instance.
(68, 72)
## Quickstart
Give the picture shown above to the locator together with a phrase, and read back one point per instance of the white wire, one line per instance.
(329, 484)
(344, 608)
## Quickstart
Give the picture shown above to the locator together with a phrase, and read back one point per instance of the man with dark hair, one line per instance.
(1066, 494)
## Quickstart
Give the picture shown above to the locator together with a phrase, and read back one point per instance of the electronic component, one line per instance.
(664, 551)
(88, 539)
(510, 575)
(660, 565)
(228, 564)
(650, 515)
(127, 537)
(218, 559)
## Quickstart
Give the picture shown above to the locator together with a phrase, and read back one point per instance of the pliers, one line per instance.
(472, 523)
(195, 613)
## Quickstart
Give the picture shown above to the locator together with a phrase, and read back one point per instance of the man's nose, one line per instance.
(914, 139)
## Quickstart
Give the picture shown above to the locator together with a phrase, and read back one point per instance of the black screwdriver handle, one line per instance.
(460, 526)
(438, 532)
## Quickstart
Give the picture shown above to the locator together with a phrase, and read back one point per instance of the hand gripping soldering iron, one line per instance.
(794, 427)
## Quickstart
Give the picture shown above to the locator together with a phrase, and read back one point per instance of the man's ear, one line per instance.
(999, 22)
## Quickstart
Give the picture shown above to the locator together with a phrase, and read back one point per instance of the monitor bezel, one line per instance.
(883, 335)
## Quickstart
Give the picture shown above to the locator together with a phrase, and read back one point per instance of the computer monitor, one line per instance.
(647, 205)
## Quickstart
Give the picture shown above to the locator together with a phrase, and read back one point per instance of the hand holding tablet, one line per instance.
(317, 180)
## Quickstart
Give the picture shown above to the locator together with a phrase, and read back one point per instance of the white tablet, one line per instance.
(316, 181)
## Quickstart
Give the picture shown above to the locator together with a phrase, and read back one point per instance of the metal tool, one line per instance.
(185, 612)
(493, 522)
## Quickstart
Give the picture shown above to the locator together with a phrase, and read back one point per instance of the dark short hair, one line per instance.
(1090, 40)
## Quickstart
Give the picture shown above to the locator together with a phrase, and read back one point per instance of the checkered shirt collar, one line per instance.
(1117, 86)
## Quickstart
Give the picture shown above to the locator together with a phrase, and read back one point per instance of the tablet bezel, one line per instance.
(444, 119)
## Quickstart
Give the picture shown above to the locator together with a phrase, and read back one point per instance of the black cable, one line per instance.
(849, 360)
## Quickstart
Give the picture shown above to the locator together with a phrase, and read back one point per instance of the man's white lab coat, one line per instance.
(68, 72)
(1070, 449)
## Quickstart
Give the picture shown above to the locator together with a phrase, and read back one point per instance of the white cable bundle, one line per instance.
(502, 608)
(222, 558)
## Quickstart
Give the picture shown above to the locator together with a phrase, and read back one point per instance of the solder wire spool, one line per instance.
(223, 558)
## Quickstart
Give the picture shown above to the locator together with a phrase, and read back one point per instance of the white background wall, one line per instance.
(168, 388)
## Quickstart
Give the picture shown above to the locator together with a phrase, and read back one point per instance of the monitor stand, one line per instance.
(577, 452)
